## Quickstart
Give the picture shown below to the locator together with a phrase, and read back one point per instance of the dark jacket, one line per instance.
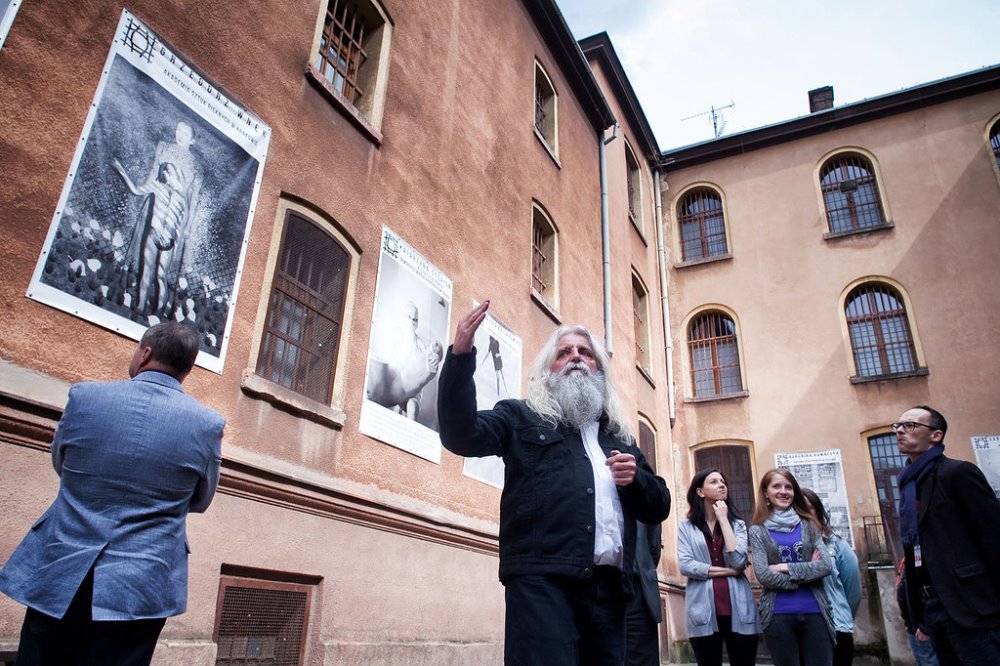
(547, 505)
(959, 530)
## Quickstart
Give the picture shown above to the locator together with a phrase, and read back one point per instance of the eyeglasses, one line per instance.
(910, 426)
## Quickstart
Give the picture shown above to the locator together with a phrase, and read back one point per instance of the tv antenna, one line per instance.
(715, 112)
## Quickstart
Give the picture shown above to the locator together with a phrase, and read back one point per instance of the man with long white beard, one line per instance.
(574, 486)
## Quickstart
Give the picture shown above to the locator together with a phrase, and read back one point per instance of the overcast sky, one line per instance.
(685, 56)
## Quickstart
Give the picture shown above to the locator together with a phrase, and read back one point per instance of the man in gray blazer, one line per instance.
(106, 564)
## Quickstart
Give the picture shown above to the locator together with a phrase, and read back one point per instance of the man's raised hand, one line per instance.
(465, 332)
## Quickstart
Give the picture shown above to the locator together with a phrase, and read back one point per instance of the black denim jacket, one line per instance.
(547, 506)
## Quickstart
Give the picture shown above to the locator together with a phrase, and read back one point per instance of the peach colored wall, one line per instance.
(785, 283)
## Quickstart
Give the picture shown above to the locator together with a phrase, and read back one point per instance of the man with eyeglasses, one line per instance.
(950, 523)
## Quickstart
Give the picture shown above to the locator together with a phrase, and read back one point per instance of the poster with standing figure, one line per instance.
(154, 217)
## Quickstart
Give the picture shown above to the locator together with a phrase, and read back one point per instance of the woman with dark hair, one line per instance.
(843, 586)
(790, 561)
(712, 552)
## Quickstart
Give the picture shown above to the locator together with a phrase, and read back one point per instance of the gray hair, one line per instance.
(542, 402)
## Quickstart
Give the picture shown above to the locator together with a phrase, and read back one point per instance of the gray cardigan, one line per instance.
(764, 552)
(699, 597)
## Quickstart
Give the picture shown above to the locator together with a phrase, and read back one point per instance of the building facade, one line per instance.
(353, 169)
(827, 273)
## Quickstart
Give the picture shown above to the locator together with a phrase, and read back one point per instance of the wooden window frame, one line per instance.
(633, 184)
(707, 238)
(874, 312)
(713, 342)
(286, 287)
(546, 110)
(640, 317)
(722, 456)
(844, 174)
(544, 257)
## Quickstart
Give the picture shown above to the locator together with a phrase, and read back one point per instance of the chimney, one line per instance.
(821, 99)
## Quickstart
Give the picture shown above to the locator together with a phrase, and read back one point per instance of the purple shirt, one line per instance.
(802, 599)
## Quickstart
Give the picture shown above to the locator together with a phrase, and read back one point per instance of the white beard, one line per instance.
(580, 395)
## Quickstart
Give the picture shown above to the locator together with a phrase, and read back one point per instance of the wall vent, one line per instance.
(261, 622)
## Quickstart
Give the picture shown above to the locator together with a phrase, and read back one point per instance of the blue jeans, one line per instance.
(923, 651)
(799, 639)
(957, 646)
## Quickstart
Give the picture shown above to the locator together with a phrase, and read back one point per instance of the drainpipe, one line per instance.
(661, 260)
(606, 235)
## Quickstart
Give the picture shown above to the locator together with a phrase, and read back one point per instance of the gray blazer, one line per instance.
(134, 458)
(699, 599)
(764, 552)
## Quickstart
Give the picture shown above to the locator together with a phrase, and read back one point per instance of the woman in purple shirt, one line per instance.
(790, 563)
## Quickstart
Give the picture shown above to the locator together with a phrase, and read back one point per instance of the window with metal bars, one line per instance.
(261, 622)
(887, 463)
(702, 225)
(342, 47)
(543, 256)
(995, 142)
(647, 443)
(851, 194)
(632, 176)
(880, 331)
(306, 309)
(715, 356)
(545, 107)
(640, 315)
(733, 461)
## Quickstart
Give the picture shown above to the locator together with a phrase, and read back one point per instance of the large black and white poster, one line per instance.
(154, 217)
(408, 338)
(8, 9)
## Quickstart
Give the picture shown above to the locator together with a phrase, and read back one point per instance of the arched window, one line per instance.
(640, 316)
(306, 309)
(715, 356)
(544, 245)
(633, 181)
(647, 442)
(734, 463)
(880, 331)
(702, 225)
(851, 194)
(995, 142)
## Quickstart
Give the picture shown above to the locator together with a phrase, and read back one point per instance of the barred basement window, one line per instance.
(702, 225)
(715, 356)
(305, 314)
(880, 331)
(887, 463)
(851, 194)
(261, 622)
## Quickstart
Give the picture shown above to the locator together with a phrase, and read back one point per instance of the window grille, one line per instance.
(715, 358)
(305, 314)
(995, 142)
(702, 224)
(261, 622)
(543, 245)
(887, 463)
(647, 443)
(632, 175)
(850, 194)
(879, 331)
(639, 315)
(341, 51)
(545, 107)
(734, 463)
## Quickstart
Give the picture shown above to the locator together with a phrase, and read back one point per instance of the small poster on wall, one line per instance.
(497, 377)
(405, 351)
(153, 220)
(987, 448)
(823, 473)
